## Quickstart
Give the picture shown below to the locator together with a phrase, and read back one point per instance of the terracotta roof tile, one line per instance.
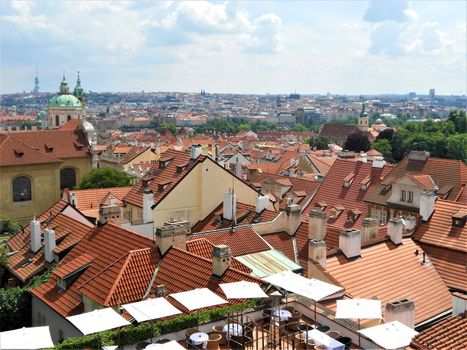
(133, 153)
(91, 199)
(73, 266)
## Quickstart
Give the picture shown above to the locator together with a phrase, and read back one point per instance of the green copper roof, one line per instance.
(65, 100)
(268, 262)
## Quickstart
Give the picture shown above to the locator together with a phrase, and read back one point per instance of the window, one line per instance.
(382, 217)
(68, 118)
(21, 189)
(57, 120)
(67, 178)
(403, 195)
(410, 197)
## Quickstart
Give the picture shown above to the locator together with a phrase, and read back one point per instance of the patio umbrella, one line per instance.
(26, 338)
(151, 309)
(392, 335)
(97, 321)
(198, 298)
(242, 290)
(359, 308)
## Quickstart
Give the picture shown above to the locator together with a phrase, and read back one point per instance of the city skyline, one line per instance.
(242, 47)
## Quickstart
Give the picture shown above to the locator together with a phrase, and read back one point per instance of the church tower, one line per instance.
(78, 92)
(363, 118)
(36, 83)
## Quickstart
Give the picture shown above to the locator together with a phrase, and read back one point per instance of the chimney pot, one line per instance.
(427, 204)
(402, 311)
(395, 229)
(350, 243)
(317, 225)
(262, 203)
(195, 151)
(35, 228)
(230, 206)
(173, 233)
(49, 245)
(317, 252)
(369, 229)
(221, 259)
(148, 202)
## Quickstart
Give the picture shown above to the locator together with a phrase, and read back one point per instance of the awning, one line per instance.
(151, 309)
(392, 335)
(242, 290)
(198, 299)
(313, 289)
(359, 308)
(26, 338)
(97, 321)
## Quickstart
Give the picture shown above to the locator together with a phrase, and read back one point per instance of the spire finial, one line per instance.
(63, 75)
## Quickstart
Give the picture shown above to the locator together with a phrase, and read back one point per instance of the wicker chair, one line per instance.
(333, 334)
(213, 342)
(323, 329)
(293, 323)
(219, 330)
(189, 332)
(299, 344)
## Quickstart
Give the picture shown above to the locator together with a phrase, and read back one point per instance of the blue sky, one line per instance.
(350, 47)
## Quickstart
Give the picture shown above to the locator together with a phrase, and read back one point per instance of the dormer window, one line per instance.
(352, 215)
(365, 183)
(321, 206)
(181, 167)
(163, 185)
(348, 179)
(19, 153)
(459, 218)
(48, 148)
(336, 211)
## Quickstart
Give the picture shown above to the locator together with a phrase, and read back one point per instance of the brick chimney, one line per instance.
(173, 233)
(402, 311)
(317, 252)
(395, 229)
(148, 202)
(369, 229)
(221, 259)
(317, 225)
(427, 204)
(49, 245)
(293, 212)
(230, 206)
(35, 228)
(350, 243)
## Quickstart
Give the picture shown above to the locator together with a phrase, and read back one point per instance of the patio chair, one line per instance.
(189, 332)
(333, 334)
(213, 342)
(323, 329)
(347, 341)
(293, 323)
(299, 344)
(219, 330)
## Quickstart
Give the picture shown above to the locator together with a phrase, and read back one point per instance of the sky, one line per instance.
(341, 47)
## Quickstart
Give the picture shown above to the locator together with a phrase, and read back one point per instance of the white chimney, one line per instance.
(148, 202)
(173, 233)
(35, 228)
(363, 157)
(402, 311)
(238, 170)
(395, 229)
(293, 212)
(369, 229)
(221, 259)
(317, 252)
(74, 199)
(317, 225)
(49, 244)
(230, 206)
(427, 204)
(112, 201)
(262, 203)
(350, 243)
(378, 162)
(196, 151)
(459, 303)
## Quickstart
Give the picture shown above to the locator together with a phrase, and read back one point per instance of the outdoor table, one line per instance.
(199, 338)
(153, 347)
(233, 329)
(323, 339)
(283, 314)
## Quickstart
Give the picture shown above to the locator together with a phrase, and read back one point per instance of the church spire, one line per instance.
(79, 91)
(64, 89)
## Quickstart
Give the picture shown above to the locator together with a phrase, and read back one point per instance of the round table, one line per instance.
(153, 347)
(283, 314)
(199, 338)
(233, 329)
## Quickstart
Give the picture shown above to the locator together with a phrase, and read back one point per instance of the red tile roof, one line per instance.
(447, 334)
(73, 266)
(337, 132)
(91, 199)
(133, 153)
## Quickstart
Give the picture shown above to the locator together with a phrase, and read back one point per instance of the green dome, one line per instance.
(65, 100)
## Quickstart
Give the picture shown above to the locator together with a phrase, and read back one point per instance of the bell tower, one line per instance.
(363, 118)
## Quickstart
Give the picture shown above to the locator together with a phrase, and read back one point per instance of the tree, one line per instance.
(384, 147)
(386, 134)
(299, 127)
(244, 127)
(320, 142)
(105, 177)
(457, 147)
(459, 119)
(357, 142)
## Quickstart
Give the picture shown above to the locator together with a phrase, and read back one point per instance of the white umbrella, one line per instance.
(242, 290)
(171, 345)
(26, 338)
(198, 298)
(359, 308)
(97, 321)
(392, 335)
(151, 309)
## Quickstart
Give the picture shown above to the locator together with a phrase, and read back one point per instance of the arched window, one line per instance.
(67, 178)
(57, 120)
(21, 189)
(68, 118)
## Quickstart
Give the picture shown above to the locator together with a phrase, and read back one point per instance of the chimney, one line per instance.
(148, 202)
(238, 170)
(378, 162)
(35, 228)
(195, 151)
(173, 233)
(230, 206)
(369, 229)
(161, 291)
(419, 155)
(395, 228)
(459, 303)
(317, 225)
(317, 252)
(363, 157)
(49, 245)
(112, 201)
(73, 199)
(427, 204)
(293, 212)
(350, 243)
(262, 203)
(402, 311)
(221, 259)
